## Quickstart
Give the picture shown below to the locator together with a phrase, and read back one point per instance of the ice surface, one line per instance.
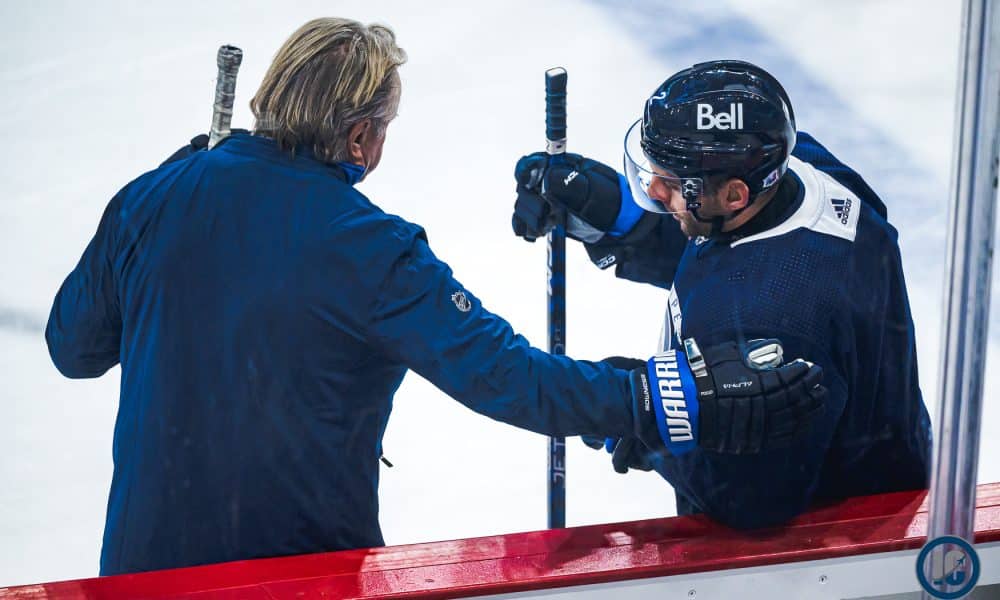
(96, 93)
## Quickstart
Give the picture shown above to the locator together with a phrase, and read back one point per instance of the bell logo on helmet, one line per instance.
(724, 120)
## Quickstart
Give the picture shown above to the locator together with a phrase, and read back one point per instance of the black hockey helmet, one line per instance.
(724, 117)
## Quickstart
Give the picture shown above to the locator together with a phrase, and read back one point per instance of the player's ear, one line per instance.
(735, 194)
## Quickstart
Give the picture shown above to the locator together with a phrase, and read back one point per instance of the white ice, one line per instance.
(95, 93)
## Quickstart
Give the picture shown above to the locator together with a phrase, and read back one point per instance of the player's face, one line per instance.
(666, 190)
(691, 226)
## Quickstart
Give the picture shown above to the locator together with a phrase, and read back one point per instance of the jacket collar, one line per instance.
(259, 146)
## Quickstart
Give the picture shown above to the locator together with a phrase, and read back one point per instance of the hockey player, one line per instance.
(264, 313)
(755, 243)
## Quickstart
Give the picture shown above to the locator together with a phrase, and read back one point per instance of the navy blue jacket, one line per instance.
(826, 278)
(264, 312)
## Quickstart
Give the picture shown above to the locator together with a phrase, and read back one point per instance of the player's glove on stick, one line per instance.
(595, 196)
(729, 398)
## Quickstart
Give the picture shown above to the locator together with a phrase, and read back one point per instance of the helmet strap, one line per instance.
(719, 221)
(701, 219)
(691, 196)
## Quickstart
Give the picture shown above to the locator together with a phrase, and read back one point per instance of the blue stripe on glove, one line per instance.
(629, 213)
(675, 400)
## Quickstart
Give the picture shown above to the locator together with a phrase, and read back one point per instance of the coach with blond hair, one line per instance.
(264, 313)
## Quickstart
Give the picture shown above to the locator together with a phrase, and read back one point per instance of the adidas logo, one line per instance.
(842, 208)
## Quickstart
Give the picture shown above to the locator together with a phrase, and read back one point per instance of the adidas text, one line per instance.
(668, 384)
(724, 120)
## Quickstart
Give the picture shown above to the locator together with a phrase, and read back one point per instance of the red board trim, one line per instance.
(543, 559)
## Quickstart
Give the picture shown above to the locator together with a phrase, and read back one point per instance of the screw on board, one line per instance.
(822, 579)
(692, 593)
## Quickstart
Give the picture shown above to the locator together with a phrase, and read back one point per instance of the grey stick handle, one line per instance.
(228, 59)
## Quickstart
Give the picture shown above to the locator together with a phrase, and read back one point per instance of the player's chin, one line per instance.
(690, 227)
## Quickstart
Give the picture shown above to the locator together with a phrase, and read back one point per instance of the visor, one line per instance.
(650, 184)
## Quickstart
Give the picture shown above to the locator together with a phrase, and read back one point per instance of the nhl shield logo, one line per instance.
(461, 301)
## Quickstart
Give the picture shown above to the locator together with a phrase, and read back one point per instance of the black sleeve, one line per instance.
(648, 254)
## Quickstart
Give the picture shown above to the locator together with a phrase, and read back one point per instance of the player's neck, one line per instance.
(749, 213)
(767, 211)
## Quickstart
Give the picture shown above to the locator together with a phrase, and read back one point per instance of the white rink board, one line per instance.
(866, 576)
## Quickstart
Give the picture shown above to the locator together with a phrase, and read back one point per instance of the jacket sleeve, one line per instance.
(85, 325)
(648, 254)
(766, 489)
(429, 322)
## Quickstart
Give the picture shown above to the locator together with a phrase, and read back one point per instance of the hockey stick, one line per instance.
(555, 145)
(228, 59)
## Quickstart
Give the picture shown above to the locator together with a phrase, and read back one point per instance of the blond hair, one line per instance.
(329, 75)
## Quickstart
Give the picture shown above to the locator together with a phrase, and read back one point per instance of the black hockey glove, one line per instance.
(626, 453)
(198, 142)
(593, 194)
(729, 398)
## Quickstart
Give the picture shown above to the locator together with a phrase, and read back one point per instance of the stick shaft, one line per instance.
(555, 136)
(228, 60)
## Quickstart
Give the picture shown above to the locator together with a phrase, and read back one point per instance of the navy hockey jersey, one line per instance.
(827, 280)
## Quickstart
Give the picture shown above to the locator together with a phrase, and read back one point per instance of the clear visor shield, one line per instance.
(653, 188)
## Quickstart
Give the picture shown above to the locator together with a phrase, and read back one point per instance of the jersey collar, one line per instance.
(786, 200)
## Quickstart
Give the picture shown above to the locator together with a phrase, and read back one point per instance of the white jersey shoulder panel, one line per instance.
(827, 207)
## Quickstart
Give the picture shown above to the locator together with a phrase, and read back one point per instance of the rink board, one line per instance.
(861, 547)
(868, 576)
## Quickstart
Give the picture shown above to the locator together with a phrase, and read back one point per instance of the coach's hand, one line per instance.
(626, 452)
(730, 398)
